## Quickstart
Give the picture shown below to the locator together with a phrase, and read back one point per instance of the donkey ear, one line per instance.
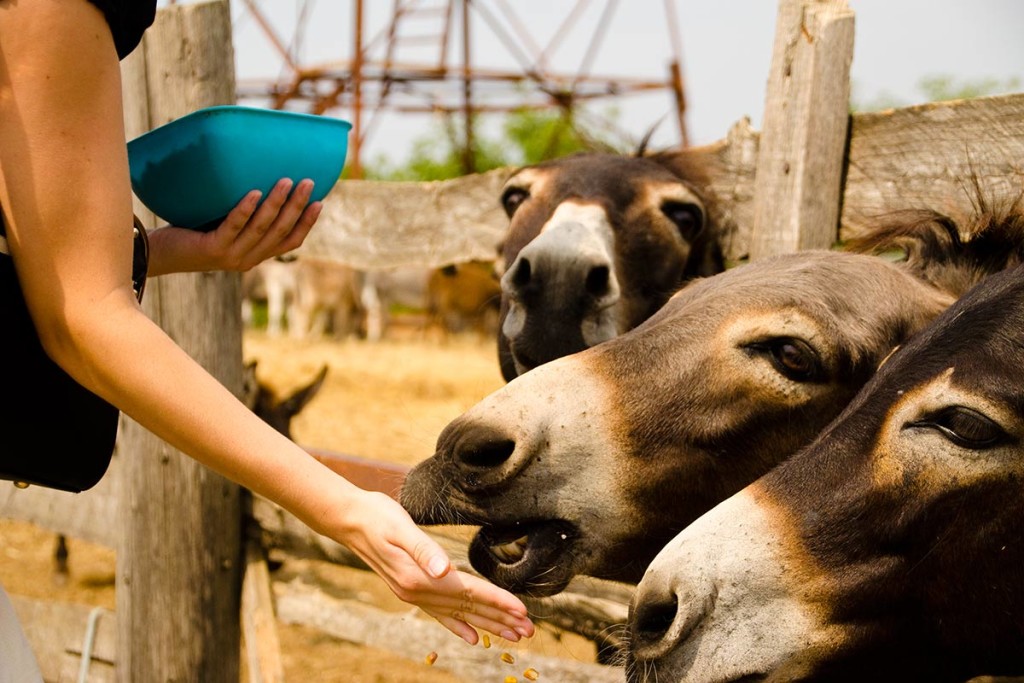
(250, 384)
(300, 397)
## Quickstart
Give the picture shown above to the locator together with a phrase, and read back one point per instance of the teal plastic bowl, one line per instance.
(192, 171)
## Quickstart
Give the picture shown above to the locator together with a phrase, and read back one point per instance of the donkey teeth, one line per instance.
(512, 551)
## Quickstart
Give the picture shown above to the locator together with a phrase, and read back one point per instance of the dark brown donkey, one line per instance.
(596, 244)
(591, 463)
(891, 549)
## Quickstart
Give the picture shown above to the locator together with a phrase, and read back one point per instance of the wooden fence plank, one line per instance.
(731, 164)
(800, 164)
(372, 475)
(924, 157)
(259, 626)
(413, 637)
(179, 550)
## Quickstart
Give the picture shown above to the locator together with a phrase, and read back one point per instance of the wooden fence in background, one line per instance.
(814, 176)
(915, 157)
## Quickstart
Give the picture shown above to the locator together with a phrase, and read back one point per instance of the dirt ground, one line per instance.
(388, 401)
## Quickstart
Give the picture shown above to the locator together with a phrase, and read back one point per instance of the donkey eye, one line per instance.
(512, 198)
(965, 427)
(689, 219)
(792, 358)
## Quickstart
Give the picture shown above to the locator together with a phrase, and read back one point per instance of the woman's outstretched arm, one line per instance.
(66, 199)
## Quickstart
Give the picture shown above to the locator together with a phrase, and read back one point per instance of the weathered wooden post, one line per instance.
(803, 137)
(179, 553)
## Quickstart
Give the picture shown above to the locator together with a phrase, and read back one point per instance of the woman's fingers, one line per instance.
(418, 571)
(285, 218)
(498, 625)
(459, 628)
(474, 591)
(253, 232)
(477, 622)
(295, 238)
(269, 210)
(483, 616)
(455, 592)
(428, 554)
(239, 217)
(280, 224)
(465, 606)
(470, 599)
(245, 243)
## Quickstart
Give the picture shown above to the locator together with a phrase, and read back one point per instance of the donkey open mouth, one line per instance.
(526, 558)
(524, 554)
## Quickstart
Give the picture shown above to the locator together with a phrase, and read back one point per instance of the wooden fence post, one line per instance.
(803, 138)
(179, 553)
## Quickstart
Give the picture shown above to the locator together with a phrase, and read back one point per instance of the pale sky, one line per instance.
(726, 49)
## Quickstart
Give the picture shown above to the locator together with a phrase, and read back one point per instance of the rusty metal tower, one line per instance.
(376, 76)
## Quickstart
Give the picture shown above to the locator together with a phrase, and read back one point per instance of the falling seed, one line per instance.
(487, 640)
(531, 674)
(507, 658)
(431, 658)
(511, 679)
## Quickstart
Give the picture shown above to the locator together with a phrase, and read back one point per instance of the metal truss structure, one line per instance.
(376, 78)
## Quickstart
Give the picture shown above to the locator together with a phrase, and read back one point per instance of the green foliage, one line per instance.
(437, 155)
(526, 137)
(938, 88)
(537, 136)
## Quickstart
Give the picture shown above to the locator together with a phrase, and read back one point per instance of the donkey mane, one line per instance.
(949, 255)
(641, 149)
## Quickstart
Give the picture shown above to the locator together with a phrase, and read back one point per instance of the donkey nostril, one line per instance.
(486, 453)
(597, 281)
(522, 274)
(653, 620)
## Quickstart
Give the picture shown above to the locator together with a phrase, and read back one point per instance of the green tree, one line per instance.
(437, 155)
(525, 137)
(536, 136)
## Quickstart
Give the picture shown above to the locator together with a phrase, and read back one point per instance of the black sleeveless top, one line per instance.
(29, 452)
(128, 20)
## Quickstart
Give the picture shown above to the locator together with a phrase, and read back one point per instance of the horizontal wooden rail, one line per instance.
(372, 475)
